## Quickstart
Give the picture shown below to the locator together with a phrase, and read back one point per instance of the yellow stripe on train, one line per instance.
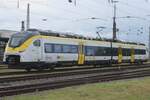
(23, 47)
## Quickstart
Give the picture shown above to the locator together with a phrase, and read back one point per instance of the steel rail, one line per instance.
(67, 69)
(70, 82)
(67, 73)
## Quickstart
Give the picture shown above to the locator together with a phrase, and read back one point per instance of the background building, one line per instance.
(4, 36)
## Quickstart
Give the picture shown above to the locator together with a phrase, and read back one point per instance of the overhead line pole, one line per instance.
(149, 43)
(18, 3)
(114, 23)
(28, 16)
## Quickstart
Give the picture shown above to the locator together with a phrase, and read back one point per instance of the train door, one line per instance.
(81, 56)
(36, 50)
(119, 55)
(132, 55)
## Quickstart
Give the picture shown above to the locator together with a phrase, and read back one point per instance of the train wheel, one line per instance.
(40, 69)
(28, 69)
(95, 66)
(52, 68)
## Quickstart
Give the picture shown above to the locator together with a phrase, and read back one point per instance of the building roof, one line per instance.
(6, 33)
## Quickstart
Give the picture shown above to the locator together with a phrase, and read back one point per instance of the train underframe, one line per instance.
(13, 62)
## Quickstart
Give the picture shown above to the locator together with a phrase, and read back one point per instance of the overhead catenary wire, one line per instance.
(70, 11)
(62, 9)
(73, 12)
(135, 7)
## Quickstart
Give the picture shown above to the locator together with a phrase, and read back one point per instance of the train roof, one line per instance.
(75, 36)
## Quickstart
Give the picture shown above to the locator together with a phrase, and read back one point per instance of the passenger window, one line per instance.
(48, 48)
(90, 51)
(57, 48)
(37, 43)
(66, 49)
(74, 49)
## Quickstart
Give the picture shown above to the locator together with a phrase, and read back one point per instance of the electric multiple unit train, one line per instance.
(36, 49)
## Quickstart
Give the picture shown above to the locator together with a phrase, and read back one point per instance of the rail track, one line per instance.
(60, 72)
(25, 84)
(22, 72)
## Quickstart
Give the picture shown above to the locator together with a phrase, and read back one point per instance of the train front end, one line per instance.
(16, 50)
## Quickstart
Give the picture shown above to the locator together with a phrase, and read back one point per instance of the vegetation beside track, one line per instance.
(135, 89)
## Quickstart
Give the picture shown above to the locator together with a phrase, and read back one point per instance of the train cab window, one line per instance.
(48, 48)
(37, 43)
(57, 48)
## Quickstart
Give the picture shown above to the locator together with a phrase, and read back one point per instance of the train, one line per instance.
(37, 49)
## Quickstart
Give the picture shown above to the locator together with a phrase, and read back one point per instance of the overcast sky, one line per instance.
(64, 16)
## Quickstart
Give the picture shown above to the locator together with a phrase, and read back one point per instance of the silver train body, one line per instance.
(37, 50)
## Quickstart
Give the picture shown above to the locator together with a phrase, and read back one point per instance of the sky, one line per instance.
(63, 16)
